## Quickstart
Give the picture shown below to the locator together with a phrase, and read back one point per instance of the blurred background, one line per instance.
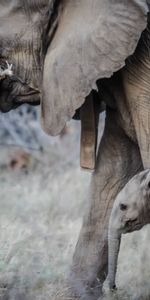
(42, 200)
(43, 197)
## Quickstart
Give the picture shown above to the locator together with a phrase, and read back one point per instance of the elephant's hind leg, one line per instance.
(118, 160)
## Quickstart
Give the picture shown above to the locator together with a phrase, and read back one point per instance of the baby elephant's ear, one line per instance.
(92, 41)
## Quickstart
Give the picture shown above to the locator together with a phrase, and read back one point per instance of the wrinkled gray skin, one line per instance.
(59, 49)
(130, 212)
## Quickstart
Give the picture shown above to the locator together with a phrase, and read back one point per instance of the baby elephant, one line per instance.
(131, 211)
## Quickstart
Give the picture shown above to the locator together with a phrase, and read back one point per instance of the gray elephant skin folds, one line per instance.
(56, 54)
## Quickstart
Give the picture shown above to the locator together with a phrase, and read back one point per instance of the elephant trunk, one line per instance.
(113, 250)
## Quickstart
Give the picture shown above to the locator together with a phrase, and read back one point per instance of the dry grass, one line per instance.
(39, 221)
(41, 211)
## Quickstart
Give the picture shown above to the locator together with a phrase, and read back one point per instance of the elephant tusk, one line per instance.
(6, 72)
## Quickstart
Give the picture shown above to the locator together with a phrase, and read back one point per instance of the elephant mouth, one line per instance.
(132, 225)
(15, 92)
(33, 98)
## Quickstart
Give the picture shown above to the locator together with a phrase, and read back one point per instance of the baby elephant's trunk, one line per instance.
(113, 251)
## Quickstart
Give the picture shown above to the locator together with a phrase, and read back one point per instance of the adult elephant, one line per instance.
(59, 50)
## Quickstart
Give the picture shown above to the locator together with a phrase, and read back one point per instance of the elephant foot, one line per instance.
(88, 272)
(107, 289)
(85, 290)
(84, 277)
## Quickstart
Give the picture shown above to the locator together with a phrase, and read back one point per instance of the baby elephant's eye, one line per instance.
(123, 206)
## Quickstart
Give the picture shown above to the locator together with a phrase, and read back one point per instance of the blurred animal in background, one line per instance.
(20, 160)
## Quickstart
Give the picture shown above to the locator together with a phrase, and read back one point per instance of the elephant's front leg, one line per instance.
(118, 160)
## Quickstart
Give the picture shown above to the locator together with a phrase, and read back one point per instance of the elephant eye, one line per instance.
(149, 184)
(123, 206)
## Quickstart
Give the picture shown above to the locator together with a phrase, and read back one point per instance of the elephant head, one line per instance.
(25, 32)
(131, 211)
(59, 48)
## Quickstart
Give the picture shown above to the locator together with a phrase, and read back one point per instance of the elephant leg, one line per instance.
(136, 85)
(118, 160)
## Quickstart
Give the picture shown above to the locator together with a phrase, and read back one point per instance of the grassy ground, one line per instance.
(41, 209)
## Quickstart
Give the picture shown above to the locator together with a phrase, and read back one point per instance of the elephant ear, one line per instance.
(92, 41)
